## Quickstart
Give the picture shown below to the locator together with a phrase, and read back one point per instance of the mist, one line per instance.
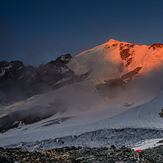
(80, 97)
(149, 83)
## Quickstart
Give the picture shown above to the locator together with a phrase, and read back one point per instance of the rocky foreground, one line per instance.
(82, 155)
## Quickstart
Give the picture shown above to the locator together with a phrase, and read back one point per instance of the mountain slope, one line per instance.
(111, 87)
(20, 82)
(131, 127)
(115, 57)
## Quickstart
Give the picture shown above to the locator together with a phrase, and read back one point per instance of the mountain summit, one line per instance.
(114, 57)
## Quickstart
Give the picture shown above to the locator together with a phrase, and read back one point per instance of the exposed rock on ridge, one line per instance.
(19, 82)
(109, 86)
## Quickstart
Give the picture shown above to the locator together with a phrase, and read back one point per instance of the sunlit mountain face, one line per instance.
(116, 57)
(115, 64)
(116, 85)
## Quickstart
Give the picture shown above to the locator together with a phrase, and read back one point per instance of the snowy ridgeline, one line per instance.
(130, 137)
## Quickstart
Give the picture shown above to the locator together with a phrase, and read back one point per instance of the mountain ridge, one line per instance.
(121, 61)
(29, 80)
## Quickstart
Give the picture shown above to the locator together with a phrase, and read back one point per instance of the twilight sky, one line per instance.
(38, 31)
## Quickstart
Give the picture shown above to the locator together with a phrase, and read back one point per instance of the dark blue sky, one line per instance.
(38, 31)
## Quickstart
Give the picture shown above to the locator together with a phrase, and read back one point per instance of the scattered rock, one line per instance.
(82, 154)
(154, 46)
(161, 114)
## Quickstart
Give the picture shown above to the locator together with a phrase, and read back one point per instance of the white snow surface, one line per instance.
(100, 115)
(105, 59)
(138, 106)
(2, 72)
(148, 144)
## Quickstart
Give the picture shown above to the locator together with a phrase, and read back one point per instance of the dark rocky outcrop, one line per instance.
(155, 46)
(161, 114)
(126, 53)
(132, 74)
(19, 82)
(110, 84)
(109, 87)
(32, 115)
(114, 44)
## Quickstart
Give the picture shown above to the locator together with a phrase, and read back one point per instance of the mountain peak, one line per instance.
(112, 41)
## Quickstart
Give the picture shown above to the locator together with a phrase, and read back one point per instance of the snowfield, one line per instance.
(77, 129)
(84, 117)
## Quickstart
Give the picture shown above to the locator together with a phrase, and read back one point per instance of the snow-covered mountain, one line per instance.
(108, 88)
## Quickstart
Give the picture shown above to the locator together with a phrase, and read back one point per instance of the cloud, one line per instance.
(149, 83)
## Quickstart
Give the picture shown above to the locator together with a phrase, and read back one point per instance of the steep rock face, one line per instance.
(19, 82)
(127, 52)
